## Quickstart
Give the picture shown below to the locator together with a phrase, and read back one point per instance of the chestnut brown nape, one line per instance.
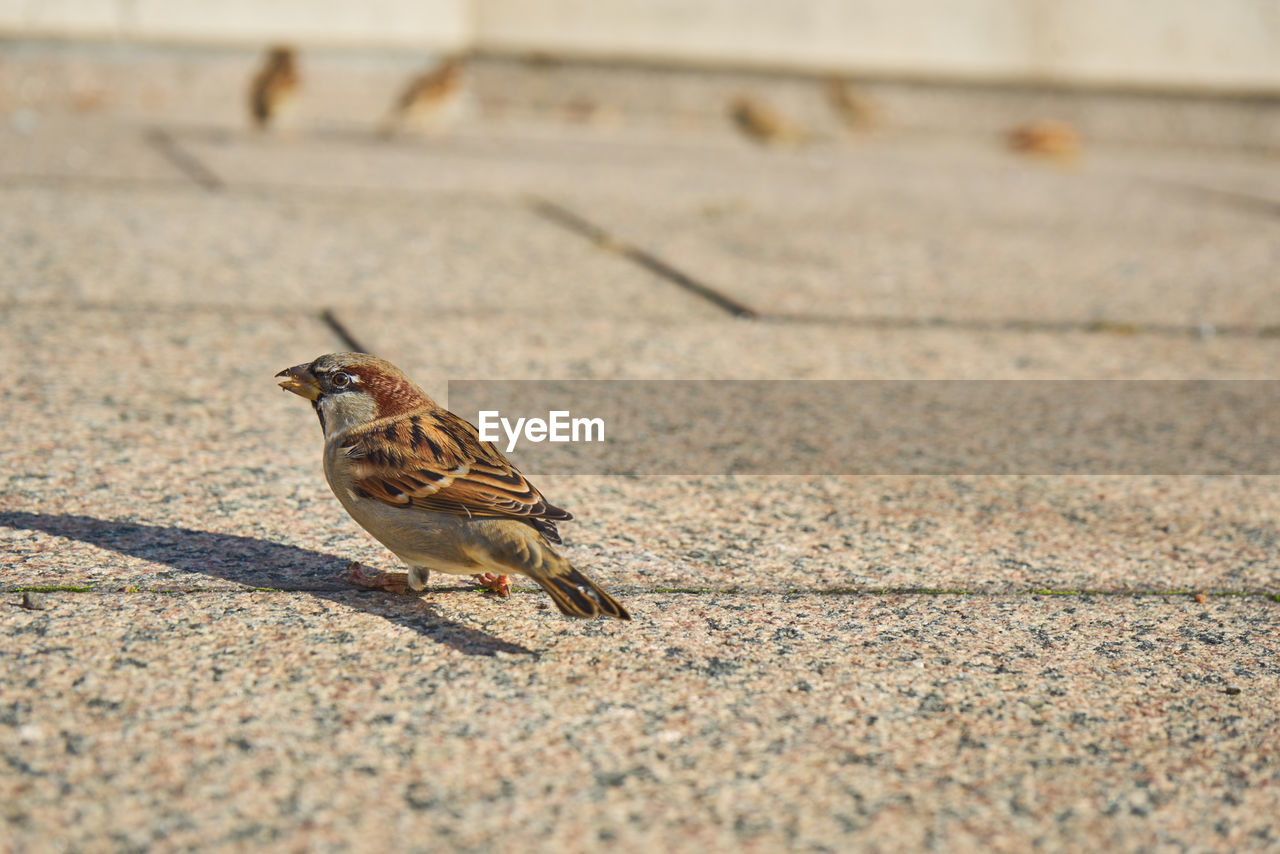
(393, 393)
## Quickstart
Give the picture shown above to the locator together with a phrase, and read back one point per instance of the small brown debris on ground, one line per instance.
(763, 123)
(1049, 138)
(590, 112)
(90, 100)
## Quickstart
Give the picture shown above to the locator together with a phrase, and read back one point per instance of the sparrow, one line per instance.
(431, 99)
(274, 86)
(418, 478)
(763, 123)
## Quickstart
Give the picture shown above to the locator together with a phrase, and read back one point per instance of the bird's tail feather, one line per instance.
(525, 551)
(578, 596)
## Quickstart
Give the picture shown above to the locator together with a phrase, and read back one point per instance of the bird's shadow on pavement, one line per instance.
(259, 564)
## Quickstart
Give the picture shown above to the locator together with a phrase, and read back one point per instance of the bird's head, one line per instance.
(351, 389)
(281, 57)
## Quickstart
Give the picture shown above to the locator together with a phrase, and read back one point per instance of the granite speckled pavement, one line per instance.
(817, 663)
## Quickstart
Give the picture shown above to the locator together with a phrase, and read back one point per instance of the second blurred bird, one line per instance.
(430, 103)
(855, 109)
(274, 88)
(762, 123)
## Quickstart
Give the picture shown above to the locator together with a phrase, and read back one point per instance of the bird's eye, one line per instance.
(340, 380)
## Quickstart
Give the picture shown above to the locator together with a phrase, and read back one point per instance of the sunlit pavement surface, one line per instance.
(879, 663)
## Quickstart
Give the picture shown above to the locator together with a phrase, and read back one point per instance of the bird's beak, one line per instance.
(300, 381)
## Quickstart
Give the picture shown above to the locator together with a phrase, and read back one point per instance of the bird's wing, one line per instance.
(434, 460)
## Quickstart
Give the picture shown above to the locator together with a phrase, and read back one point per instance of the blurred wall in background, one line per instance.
(1224, 45)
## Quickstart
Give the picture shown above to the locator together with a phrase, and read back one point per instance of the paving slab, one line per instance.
(930, 232)
(507, 163)
(994, 534)
(167, 417)
(894, 228)
(104, 150)
(954, 178)
(814, 723)
(182, 449)
(727, 348)
(1245, 181)
(302, 254)
(797, 676)
(989, 532)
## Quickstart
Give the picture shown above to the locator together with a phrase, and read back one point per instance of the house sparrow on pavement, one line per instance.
(418, 478)
(273, 87)
(430, 101)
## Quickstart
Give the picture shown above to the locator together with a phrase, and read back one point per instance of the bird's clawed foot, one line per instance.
(392, 582)
(499, 584)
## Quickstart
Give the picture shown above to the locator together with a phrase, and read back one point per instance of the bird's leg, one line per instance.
(392, 582)
(500, 584)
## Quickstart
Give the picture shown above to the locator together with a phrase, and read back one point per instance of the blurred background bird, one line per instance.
(854, 108)
(431, 102)
(763, 123)
(274, 87)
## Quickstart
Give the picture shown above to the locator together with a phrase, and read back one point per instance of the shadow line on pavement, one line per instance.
(1120, 328)
(257, 563)
(182, 160)
(1238, 200)
(329, 319)
(567, 219)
